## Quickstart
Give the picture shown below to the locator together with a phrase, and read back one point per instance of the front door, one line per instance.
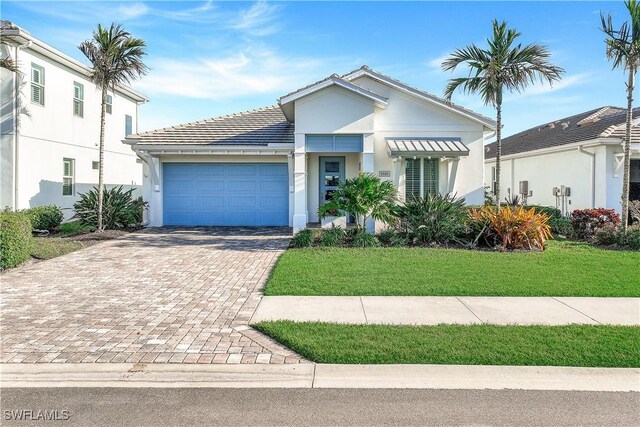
(331, 175)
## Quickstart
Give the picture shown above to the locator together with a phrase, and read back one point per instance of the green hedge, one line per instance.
(15, 238)
(45, 217)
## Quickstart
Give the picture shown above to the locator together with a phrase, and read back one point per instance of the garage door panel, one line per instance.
(225, 194)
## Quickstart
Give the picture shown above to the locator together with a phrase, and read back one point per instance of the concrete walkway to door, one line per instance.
(454, 310)
(164, 295)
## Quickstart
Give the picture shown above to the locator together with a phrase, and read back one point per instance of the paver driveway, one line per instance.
(156, 296)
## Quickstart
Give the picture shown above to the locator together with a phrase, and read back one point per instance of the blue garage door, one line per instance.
(254, 194)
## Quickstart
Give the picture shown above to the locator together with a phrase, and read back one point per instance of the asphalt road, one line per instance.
(240, 407)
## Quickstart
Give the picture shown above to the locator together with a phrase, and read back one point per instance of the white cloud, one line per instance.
(258, 20)
(436, 63)
(251, 71)
(133, 11)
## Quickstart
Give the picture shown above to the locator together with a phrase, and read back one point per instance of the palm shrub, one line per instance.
(365, 196)
(333, 236)
(359, 238)
(45, 217)
(15, 238)
(435, 218)
(302, 239)
(514, 228)
(120, 210)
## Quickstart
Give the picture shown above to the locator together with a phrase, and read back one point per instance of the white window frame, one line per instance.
(109, 106)
(131, 132)
(69, 175)
(78, 99)
(37, 85)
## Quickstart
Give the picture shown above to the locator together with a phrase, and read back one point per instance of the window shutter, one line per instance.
(431, 175)
(35, 75)
(412, 178)
(67, 168)
(76, 91)
(36, 94)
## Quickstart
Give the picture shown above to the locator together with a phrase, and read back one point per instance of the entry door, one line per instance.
(331, 176)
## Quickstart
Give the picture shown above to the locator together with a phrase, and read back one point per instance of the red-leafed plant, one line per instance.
(586, 222)
(514, 227)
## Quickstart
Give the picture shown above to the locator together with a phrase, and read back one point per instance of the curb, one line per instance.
(309, 375)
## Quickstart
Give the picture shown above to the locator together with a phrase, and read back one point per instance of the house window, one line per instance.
(422, 177)
(37, 84)
(78, 99)
(109, 106)
(128, 125)
(493, 179)
(68, 176)
(95, 165)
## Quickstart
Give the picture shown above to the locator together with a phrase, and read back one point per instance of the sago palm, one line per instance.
(116, 59)
(623, 48)
(503, 66)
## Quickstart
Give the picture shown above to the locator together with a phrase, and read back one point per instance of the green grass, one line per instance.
(74, 227)
(564, 269)
(51, 247)
(574, 345)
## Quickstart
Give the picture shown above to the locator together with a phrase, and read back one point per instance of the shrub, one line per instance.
(433, 218)
(606, 235)
(514, 228)
(45, 217)
(549, 211)
(15, 238)
(365, 196)
(302, 239)
(634, 211)
(362, 239)
(333, 236)
(585, 222)
(119, 209)
(392, 238)
(632, 239)
(561, 226)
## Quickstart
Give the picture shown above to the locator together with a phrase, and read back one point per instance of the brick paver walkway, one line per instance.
(156, 296)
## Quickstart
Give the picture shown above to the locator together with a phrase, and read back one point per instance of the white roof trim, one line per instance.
(380, 100)
(423, 147)
(491, 124)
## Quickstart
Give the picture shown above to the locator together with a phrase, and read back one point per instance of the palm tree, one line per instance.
(7, 63)
(501, 67)
(623, 48)
(116, 59)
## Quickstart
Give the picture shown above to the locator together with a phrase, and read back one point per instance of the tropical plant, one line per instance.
(503, 66)
(515, 228)
(623, 49)
(631, 240)
(634, 211)
(585, 222)
(365, 196)
(512, 200)
(7, 62)
(391, 237)
(116, 59)
(120, 210)
(45, 217)
(435, 218)
(302, 239)
(361, 239)
(333, 236)
(606, 235)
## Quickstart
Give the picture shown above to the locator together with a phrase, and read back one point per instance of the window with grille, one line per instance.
(78, 99)
(37, 84)
(68, 177)
(109, 106)
(128, 125)
(425, 172)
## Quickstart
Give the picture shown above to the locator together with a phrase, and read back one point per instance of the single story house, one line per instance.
(274, 166)
(571, 163)
(50, 127)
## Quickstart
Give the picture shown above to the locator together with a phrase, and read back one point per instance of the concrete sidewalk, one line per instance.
(451, 310)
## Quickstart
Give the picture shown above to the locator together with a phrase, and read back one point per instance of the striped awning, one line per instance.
(423, 147)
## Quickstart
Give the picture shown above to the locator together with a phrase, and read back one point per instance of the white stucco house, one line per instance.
(50, 127)
(276, 165)
(571, 163)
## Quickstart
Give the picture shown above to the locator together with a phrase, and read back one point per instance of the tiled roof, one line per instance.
(604, 122)
(255, 127)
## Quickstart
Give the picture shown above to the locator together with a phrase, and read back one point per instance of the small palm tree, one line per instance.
(116, 59)
(503, 66)
(623, 48)
(7, 63)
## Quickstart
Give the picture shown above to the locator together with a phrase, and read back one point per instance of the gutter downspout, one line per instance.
(593, 174)
(16, 127)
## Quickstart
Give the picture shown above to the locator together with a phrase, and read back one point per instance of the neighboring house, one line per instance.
(571, 163)
(276, 165)
(51, 127)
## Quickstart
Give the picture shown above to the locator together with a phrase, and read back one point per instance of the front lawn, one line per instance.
(51, 247)
(565, 268)
(573, 345)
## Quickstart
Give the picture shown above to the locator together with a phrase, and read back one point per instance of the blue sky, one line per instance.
(213, 58)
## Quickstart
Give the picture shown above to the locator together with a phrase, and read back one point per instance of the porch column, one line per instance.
(368, 165)
(155, 202)
(291, 189)
(299, 183)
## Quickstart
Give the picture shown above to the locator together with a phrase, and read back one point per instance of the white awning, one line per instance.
(425, 147)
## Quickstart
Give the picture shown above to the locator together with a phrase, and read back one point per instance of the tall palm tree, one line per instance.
(116, 59)
(623, 48)
(7, 62)
(503, 66)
